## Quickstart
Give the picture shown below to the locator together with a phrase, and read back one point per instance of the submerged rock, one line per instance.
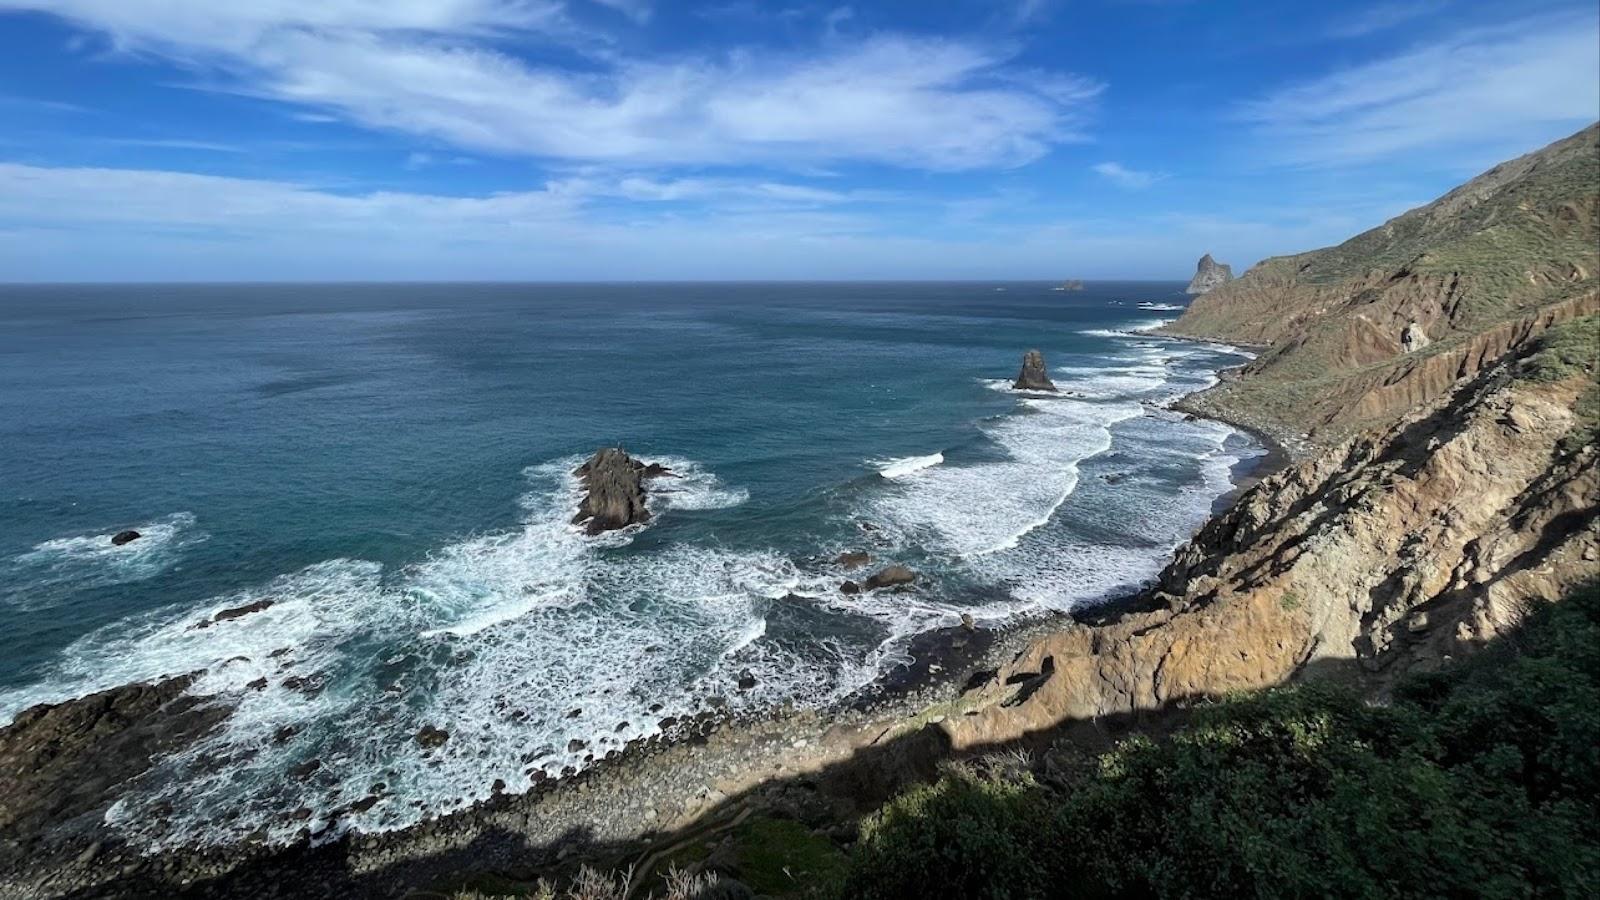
(890, 576)
(613, 496)
(1033, 376)
(125, 537)
(429, 737)
(854, 559)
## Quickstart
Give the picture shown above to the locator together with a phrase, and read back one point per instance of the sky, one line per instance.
(622, 140)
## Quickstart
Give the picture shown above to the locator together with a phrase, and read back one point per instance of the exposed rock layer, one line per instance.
(1209, 275)
(1476, 273)
(1393, 552)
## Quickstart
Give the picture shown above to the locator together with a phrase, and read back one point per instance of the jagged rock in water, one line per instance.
(1033, 376)
(1209, 274)
(613, 485)
(124, 537)
(890, 576)
(1414, 338)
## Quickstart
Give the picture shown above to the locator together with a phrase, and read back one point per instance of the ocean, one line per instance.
(390, 467)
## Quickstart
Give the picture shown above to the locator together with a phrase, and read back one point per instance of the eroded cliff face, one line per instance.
(1358, 335)
(1393, 552)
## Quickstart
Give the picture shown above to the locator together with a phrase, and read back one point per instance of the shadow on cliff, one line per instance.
(500, 860)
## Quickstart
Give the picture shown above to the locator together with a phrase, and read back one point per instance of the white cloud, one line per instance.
(1383, 16)
(433, 69)
(78, 224)
(1126, 177)
(1481, 90)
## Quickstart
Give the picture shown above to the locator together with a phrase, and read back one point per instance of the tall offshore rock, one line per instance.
(1033, 376)
(1209, 274)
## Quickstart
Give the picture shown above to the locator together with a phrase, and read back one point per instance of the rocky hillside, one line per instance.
(1360, 334)
(1394, 552)
(1209, 275)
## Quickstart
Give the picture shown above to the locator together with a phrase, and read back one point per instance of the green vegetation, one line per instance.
(1290, 601)
(1566, 351)
(1571, 348)
(1480, 782)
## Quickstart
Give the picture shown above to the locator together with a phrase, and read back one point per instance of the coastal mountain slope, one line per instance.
(1360, 334)
(1393, 553)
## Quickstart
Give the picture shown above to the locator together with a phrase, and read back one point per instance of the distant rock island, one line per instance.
(1209, 274)
(1071, 285)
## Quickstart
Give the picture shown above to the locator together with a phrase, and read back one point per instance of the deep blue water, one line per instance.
(388, 465)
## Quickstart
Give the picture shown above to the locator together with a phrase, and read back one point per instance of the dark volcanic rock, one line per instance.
(849, 587)
(1033, 377)
(854, 560)
(123, 537)
(613, 496)
(429, 737)
(890, 576)
(63, 764)
(236, 613)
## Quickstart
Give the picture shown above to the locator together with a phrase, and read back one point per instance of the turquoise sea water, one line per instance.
(389, 465)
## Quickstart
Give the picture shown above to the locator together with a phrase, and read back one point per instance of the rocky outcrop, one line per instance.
(1209, 275)
(62, 765)
(890, 576)
(1414, 338)
(124, 537)
(1392, 553)
(614, 493)
(1357, 335)
(1033, 376)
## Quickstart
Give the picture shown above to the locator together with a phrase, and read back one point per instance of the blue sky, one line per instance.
(731, 139)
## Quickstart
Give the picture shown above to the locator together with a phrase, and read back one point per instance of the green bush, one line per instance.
(1482, 782)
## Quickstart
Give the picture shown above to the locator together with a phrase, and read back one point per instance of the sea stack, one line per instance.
(1033, 377)
(613, 485)
(1209, 274)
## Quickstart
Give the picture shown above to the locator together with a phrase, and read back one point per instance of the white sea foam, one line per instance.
(91, 560)
(983, 507)
(1134, 331)
(1139, 521)
(904, 466)
(496, 639)
(1163, 307)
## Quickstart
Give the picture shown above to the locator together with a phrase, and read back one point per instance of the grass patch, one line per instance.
(1480, 782)
(1290, 601)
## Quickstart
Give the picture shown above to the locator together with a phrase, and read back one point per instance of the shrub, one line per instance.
(1482, 782)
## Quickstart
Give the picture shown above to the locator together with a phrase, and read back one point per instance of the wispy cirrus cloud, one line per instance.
(1481, 91)
(1383, 16)
(438, 70)
(1122, 176)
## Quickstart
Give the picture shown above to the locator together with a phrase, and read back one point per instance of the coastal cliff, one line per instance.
(1446, 484)
(1209, 274)
(1395, 552)
(1357, 336)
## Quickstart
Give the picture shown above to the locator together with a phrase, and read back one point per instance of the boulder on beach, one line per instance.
(125, 537)
(1033, 377)
(890, 576)
(613, 485)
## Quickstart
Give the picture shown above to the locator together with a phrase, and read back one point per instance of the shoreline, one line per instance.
(645, 785)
